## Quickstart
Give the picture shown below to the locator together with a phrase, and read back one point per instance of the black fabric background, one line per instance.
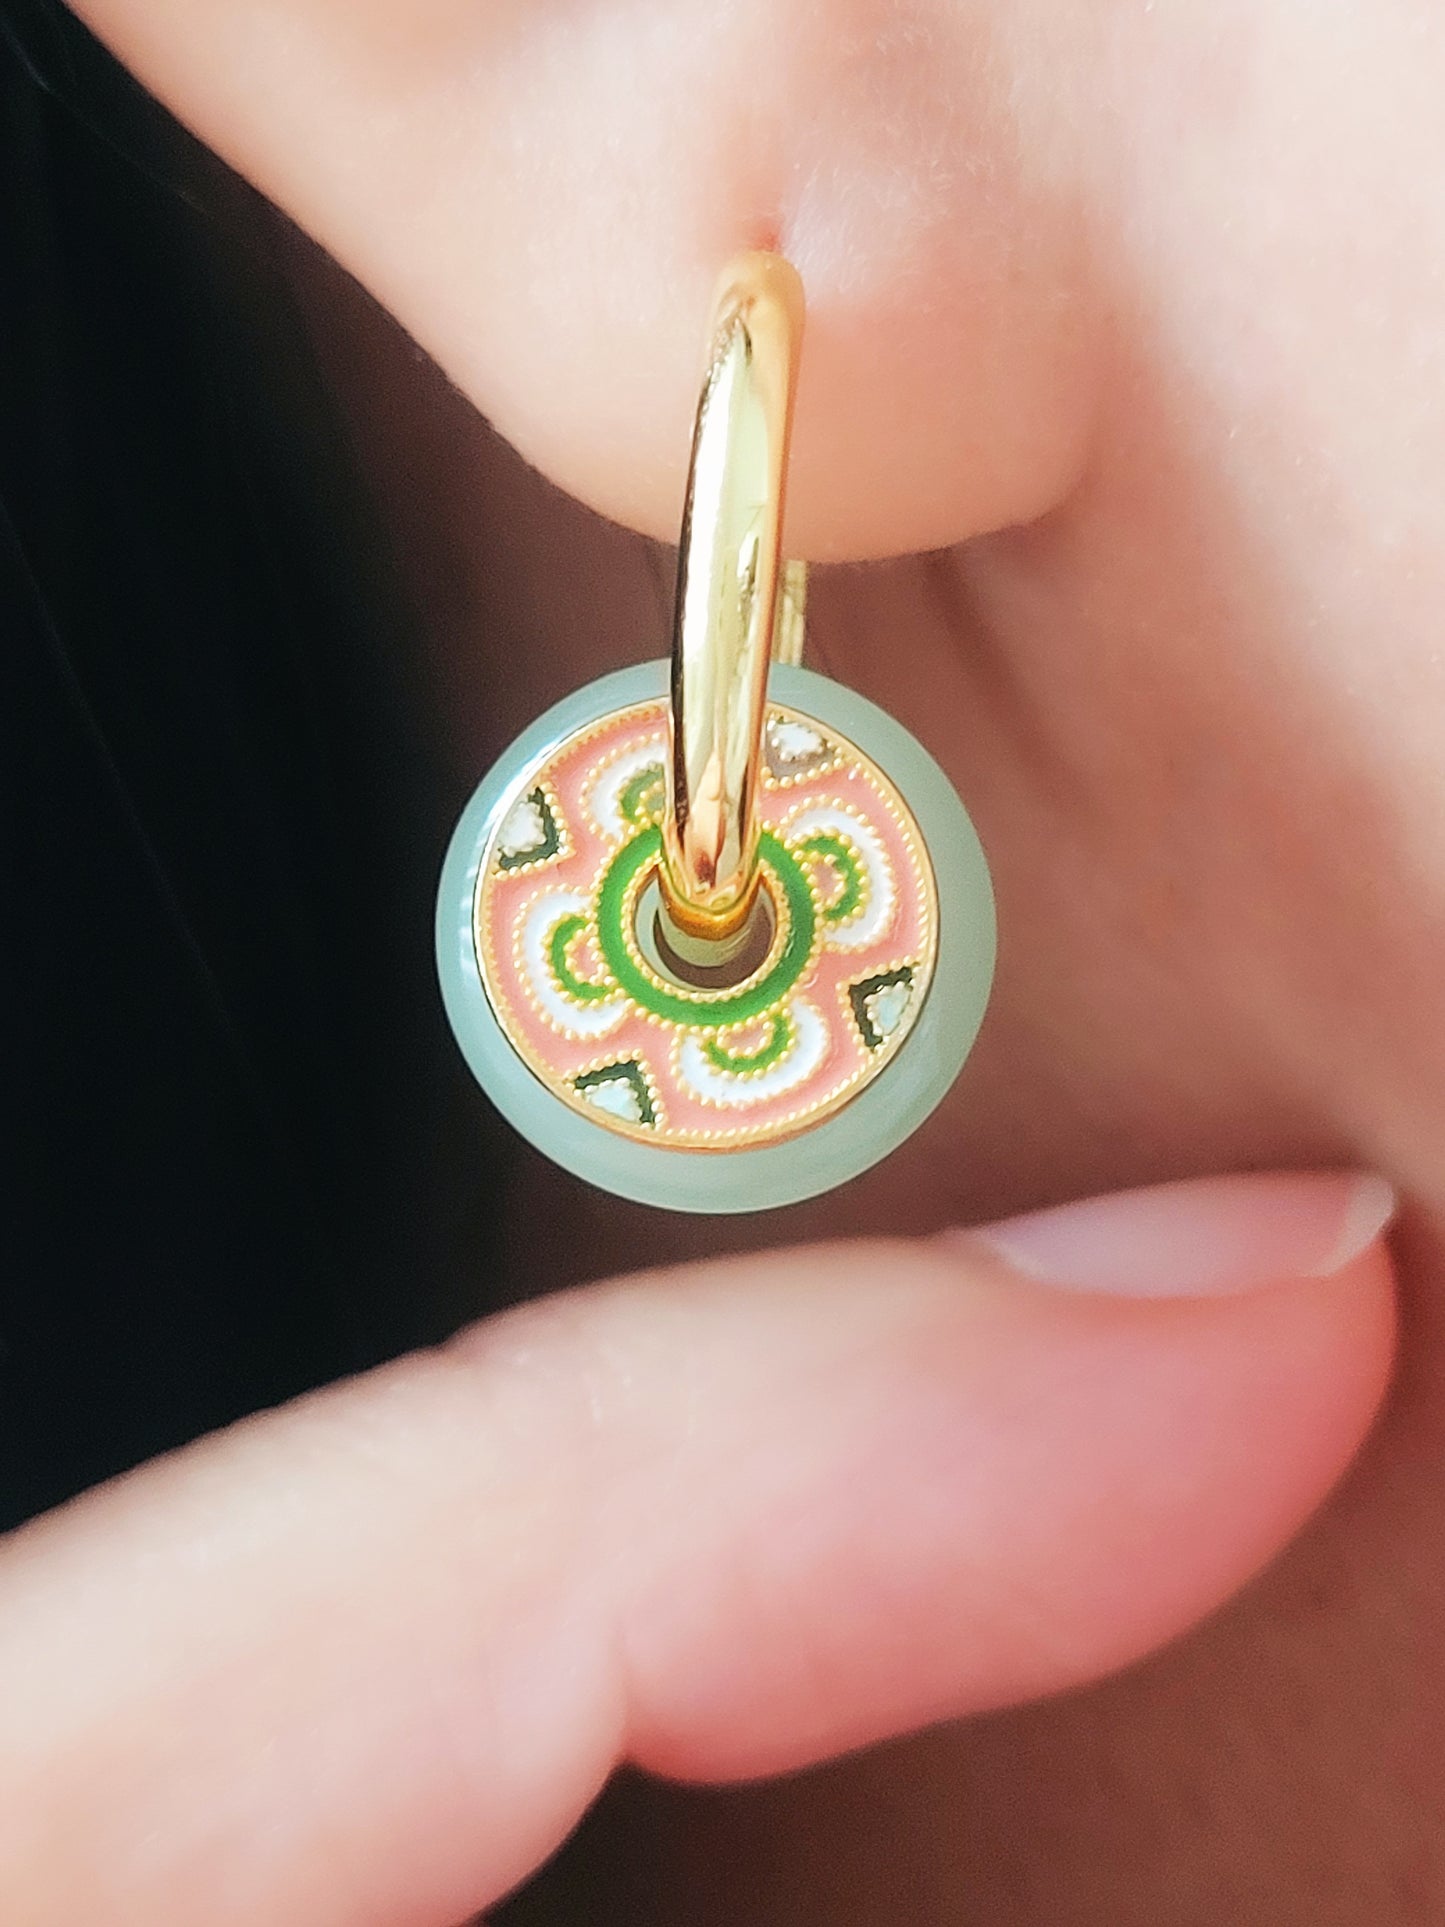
(217, 1023)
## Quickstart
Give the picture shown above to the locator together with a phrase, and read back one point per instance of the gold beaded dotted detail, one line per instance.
(582, 999)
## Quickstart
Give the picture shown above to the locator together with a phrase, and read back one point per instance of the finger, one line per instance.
(364, 1661)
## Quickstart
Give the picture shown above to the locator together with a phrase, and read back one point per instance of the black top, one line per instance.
(218, 1033)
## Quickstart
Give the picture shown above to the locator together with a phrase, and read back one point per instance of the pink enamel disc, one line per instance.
(562, 914)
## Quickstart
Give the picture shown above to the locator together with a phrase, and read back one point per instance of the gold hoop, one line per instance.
(733, 598)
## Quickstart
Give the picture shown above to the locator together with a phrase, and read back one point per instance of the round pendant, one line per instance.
(839, 1023)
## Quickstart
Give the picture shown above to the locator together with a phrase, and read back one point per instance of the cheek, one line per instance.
(544, 194)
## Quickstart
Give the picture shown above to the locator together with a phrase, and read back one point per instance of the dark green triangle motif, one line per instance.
(522, 853)
(625, 1085)
(876, 999)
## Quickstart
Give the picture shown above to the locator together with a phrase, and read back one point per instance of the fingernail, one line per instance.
(1205, 1238)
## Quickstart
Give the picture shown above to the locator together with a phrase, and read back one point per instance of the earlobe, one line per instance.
(544, 197)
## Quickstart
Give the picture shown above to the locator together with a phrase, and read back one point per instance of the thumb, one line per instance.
(364, 1661)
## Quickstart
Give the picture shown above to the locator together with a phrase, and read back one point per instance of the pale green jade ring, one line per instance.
(840, 1017)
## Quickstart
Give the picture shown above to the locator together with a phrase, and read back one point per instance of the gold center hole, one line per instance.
(695, 963)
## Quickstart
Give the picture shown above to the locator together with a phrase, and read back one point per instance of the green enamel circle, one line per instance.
(737, 1063)
(835, 850)
(560, 939)
(703, 1010)
(643, 795)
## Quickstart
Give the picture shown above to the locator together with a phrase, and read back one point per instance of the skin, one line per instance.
(1132, 312)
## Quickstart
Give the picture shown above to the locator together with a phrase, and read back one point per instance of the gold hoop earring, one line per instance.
(718, 935)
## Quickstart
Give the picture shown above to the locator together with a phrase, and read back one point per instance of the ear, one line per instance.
(544, 193)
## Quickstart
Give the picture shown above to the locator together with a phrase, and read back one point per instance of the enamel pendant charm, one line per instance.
(720, 939)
